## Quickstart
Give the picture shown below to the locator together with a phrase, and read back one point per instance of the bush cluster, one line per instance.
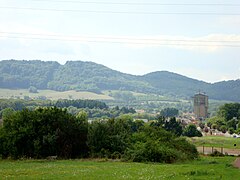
(41, 133)
(52, 131)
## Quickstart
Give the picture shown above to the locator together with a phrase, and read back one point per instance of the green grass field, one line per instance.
(216, 141)
(54, 95)
(50, 94)
(205, 168)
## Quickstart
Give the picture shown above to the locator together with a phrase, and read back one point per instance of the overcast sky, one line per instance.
(131, 36)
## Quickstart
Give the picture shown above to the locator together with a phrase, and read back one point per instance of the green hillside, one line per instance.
(23, 74)
(92, 77)
(175, 84)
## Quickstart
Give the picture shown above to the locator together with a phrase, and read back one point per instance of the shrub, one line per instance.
(214, 126)
(191, 131)
(231, 130)
(223, 128)
(153, 151)
(154, 144)
(111, 135)
(238, 131)
(116, 155)
(185, 147)
(209, 124)
(216, 153)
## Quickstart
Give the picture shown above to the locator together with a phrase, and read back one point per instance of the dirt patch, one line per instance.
(236, 163)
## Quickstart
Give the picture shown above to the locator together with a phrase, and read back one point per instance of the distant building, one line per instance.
(201, 105)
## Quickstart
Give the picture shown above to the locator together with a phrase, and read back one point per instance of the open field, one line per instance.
(72, 94)
(216, 141)
(50, 94)
(205, 168)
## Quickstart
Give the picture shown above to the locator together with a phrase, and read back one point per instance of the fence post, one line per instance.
(222, 150)
(203, 149)
(212, 149)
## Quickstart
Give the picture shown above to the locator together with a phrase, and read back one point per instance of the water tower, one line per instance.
(201, 105)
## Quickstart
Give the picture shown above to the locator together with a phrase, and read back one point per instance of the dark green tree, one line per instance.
(191, 131)
(109, 136)
(44, 132)
(232, 123)
(173, 126)
(223, 128)
(159, 122)
(229, 111)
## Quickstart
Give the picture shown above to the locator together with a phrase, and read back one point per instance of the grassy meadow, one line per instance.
(50, 94)
(72, 94)
(204, 168)
(216, 141)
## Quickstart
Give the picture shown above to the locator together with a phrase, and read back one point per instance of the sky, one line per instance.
(198, 39)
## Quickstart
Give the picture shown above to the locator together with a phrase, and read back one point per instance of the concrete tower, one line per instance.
(201, 105)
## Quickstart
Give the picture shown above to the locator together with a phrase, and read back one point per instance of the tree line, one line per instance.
(227, 118)
(19, 104)
(52, 131)
(95, 109)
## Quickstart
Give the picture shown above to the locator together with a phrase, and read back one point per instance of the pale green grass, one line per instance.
(216, 141)
(50, 94)
(205, 168)
(107, 92)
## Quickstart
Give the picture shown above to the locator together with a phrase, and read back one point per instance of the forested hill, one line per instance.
(23, 74)
(89, 76)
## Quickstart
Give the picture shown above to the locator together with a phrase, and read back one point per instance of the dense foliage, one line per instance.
(171, 125)
(43, 132)
(228, 117)
(154, 144)
(23, 74)
(230, 111)
(51, 131)
(110, 138)
(88, 76)
(80, 104)
(191, 131)
(95, 109)
(97, 113)
(19, 104)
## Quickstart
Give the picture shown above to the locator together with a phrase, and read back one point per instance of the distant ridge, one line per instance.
(90, 76)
